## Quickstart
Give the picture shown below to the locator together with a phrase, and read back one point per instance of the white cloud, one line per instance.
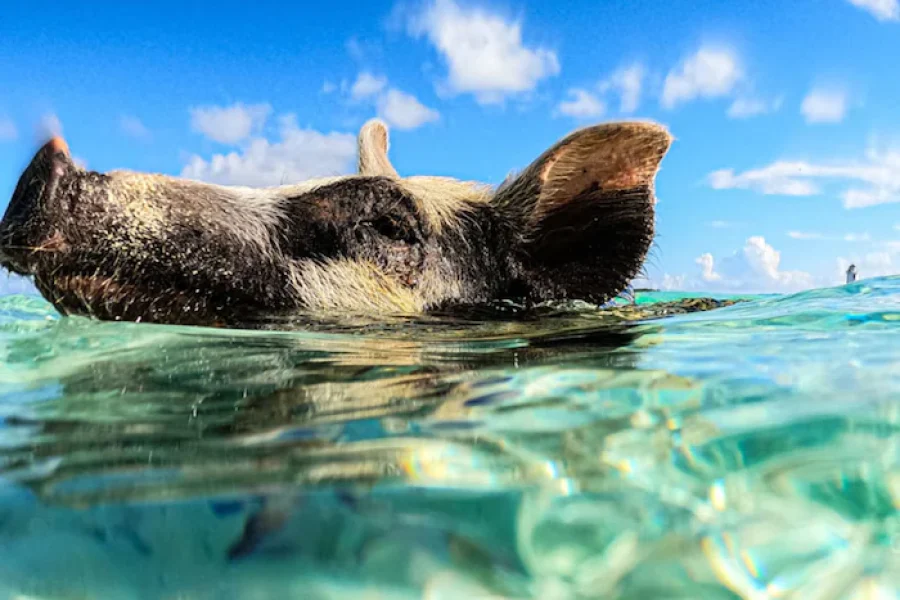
(847, 237)
(229, 124)
(627, 82)
(878, 174)
(776, 179)
(755, 268)
(803, 235)
(707, 267)
(328, 87)
(823, 105)
(709, 73)
(404, 111)
(367, 85)
(484, 53)
(400, 109)
(50, 125)
(8, 130)
(748, 106)
(883, 10)
(133, 127)
(300, 154)
(721, 224)
(581, 105)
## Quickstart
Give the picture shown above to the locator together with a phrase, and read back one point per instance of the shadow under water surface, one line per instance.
(652, 451)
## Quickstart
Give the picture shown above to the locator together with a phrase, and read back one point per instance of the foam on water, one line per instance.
(746, 452)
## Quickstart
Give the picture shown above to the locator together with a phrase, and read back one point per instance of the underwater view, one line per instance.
(654, 450)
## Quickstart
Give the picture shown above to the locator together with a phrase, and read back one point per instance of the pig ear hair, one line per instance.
(607, 158)
(373, 145)
(584, 210)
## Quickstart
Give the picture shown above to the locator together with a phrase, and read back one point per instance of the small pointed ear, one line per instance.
(373, 150)
(585, 209)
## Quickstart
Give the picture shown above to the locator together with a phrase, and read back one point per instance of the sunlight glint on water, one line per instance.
(745, 452)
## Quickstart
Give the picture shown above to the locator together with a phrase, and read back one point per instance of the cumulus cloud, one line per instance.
(484, 52)
(708, 73)
(404, 111)
(883, 10)
(8, 129)
(229, 124)
(745, 107)
(753, 269)
(299, 154)
(823, 105)
(874, 180)
(399, 109)
(707, 267)
(581, 104)
(132, 126)
(367, 85)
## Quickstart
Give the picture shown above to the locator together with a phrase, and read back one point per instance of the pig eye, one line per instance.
(389, 227)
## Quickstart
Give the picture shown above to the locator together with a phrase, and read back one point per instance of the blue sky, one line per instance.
(786, 115)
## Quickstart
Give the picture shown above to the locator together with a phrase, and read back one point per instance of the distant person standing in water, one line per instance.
(851, 274)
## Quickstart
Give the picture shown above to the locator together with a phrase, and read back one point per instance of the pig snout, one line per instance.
(27, 225)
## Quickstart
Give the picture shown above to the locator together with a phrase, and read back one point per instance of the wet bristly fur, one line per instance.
(577, 223)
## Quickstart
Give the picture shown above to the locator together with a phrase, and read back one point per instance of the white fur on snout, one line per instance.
(351, 286)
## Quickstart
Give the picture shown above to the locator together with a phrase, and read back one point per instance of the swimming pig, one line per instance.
(576, 224)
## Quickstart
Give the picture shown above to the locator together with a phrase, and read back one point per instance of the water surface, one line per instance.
(745, 452)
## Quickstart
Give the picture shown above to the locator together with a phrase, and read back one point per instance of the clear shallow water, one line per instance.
(746, 452)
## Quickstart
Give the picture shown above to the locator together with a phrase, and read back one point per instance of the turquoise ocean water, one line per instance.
(750, 451)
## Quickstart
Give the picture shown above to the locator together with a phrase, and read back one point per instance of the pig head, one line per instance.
(575, 224)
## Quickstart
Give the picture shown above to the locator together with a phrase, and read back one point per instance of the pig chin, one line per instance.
(105, 298)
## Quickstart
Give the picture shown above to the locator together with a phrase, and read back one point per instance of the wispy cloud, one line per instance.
(133, 127)
(748, 106)
(484, 52)
(883, 10)
(8, 130)
(50, 125)
(874, 180)
(847, 237)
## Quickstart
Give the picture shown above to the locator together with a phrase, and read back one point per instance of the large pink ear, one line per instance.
(373, 144)
(585, 208)
(609, 157)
